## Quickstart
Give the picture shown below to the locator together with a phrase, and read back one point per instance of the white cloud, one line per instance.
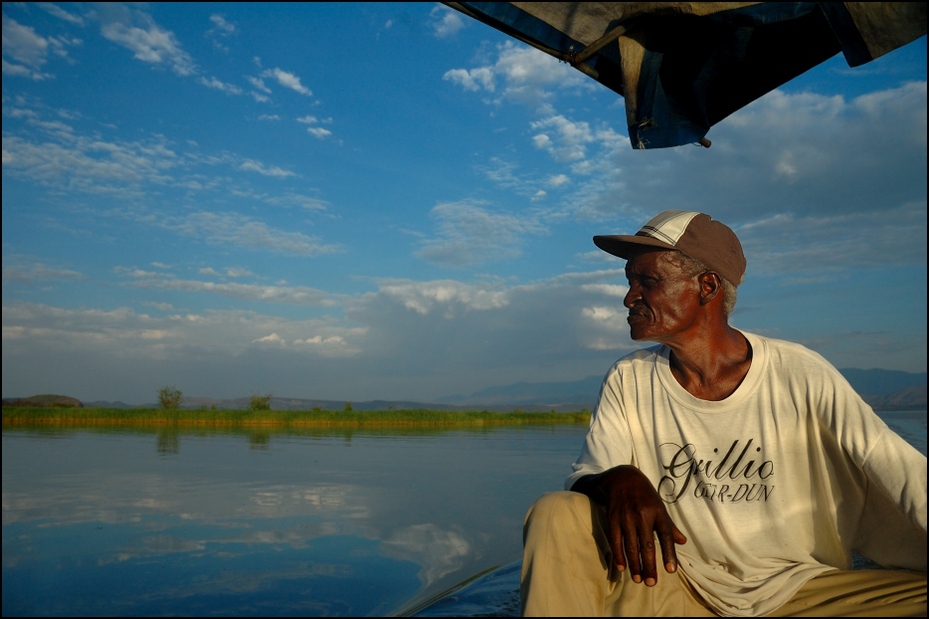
(274, 338)
(528, 75)
(288, 80)
(318, 132)
(29, 115)
(17, 70)
(60, 13)
(534, 184)
(23, 44)
(610, 290)
(541, 141)
(308, 203)
(309, 119)
(149, 42)
(245, 232)
(140, 273)
(258, 83)
(445, 22)
(571, 141)
(610, 140)
(289, 295)
(801, 155)
(525, 67)
(440, 337)
(125, 333)
(238, 272)
(445, 295)
(87, 164)
(229, 89)
(30, 273)
(502, 172)
(447, 331)
(469, 234)
(318, 339)
(613, 317)
(472, 79)
(220, 25)
(331, 346)
(797, 244)
(256, 166)
(165, 307)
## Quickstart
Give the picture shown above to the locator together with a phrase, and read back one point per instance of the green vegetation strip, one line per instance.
(185, 417)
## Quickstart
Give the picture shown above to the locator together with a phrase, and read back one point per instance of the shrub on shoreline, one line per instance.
(170, 398)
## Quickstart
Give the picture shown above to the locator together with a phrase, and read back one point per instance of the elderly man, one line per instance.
(747, 463)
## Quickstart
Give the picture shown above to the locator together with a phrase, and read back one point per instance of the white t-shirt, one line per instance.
(772, 486)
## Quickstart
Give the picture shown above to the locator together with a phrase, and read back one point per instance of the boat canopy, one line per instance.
(684, 66)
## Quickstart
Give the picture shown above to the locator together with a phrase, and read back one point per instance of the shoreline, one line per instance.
(96, 417)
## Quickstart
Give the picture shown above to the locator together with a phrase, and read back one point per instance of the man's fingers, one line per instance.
(616, 543)
(619, 555)
(631, 550)
(668, 537)
(640, 548)
(636, 514)
(649, 567)
(667, 552)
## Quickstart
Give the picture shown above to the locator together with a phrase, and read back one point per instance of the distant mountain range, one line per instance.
(882, 389)
(887, 385)
(304, 404)
(577, 393)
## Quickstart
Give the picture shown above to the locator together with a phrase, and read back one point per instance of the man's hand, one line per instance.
(634, 513)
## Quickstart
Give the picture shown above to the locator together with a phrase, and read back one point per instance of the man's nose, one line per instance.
(631, 297)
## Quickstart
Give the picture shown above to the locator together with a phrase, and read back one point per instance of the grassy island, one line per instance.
(84, 417)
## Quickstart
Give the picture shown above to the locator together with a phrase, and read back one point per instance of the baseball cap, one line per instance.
(695, 234)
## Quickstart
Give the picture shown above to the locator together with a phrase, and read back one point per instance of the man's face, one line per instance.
(663, 300)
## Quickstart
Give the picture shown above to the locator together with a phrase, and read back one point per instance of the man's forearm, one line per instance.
(592, 485)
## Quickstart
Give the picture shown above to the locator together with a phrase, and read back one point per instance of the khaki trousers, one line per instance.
(568, 571)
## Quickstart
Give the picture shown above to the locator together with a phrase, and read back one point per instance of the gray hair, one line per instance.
(694, 267)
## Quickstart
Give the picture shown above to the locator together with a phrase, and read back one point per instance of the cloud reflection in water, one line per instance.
(105, 523)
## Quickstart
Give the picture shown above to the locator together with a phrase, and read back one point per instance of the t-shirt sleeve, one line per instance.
(892, 529)
(607, 443)
(892, 526)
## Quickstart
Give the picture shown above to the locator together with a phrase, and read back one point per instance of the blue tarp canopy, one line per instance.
(684, 66)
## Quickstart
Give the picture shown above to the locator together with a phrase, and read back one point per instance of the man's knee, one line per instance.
(556, 506)
(562, 567)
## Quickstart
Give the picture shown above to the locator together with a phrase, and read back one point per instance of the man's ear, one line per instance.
(711, 286)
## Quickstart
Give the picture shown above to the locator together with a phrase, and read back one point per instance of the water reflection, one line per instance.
(259, 441)
(169, 440)
(438, 552)
(312, 522)
(304, 522)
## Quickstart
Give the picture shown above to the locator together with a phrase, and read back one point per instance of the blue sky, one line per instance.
(362, 201)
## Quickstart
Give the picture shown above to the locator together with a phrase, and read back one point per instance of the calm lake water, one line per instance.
(154, 523)
(342, 523)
